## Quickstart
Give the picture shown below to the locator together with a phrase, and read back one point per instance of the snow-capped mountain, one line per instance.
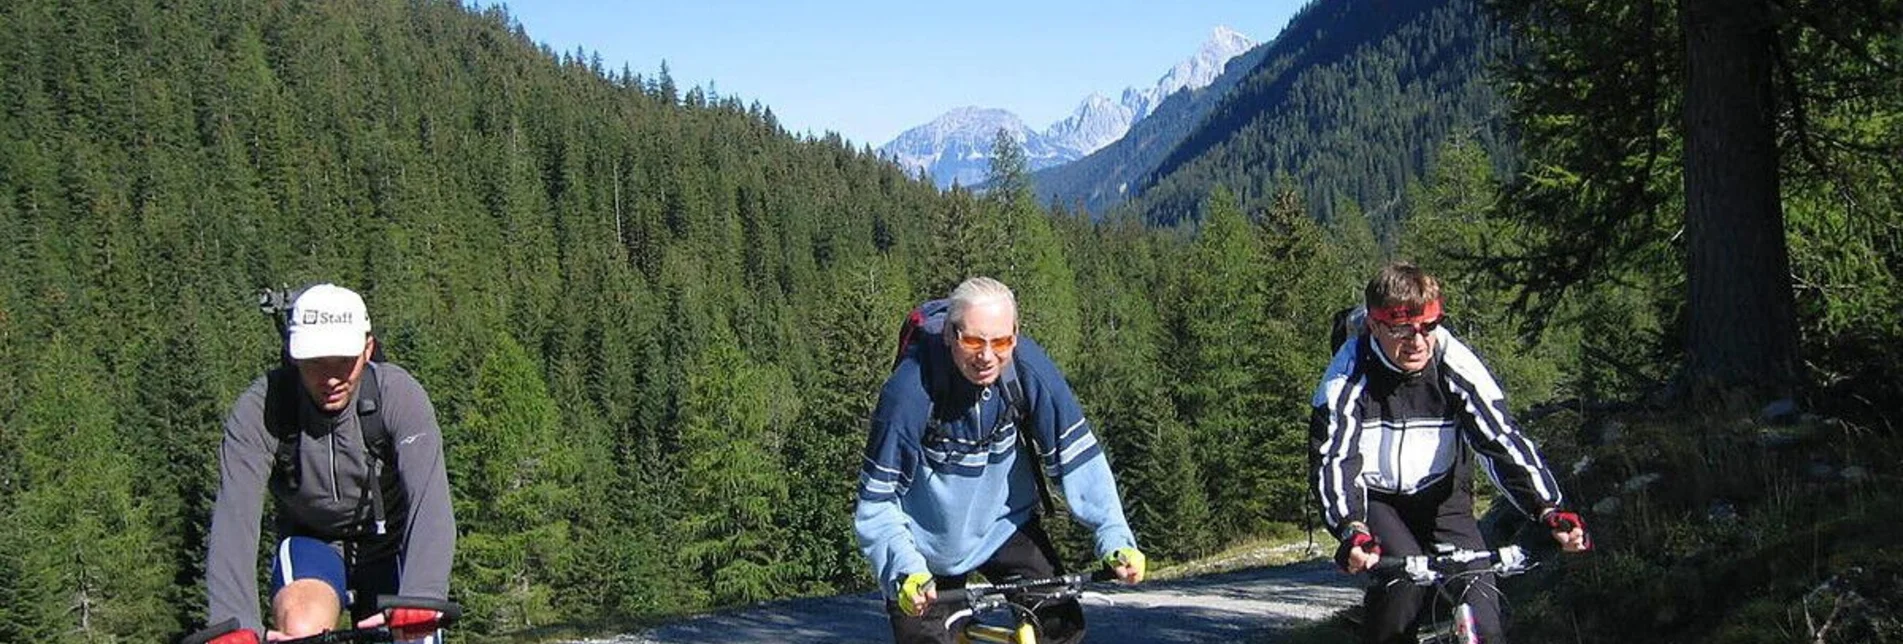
(1095, 124)
(956, 147)
(1197, 72)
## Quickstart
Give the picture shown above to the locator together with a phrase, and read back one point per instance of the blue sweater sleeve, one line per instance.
(883, 529)
(1068, 451)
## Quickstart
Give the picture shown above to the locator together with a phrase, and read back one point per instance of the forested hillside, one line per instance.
(651, 320)
(1350, 103)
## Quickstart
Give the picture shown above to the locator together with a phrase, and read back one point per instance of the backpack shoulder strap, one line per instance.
(376, 442)
(1014, 390)
(281, 389)
(369, 403)
(1020, 406)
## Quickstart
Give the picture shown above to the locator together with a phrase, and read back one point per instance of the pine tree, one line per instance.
(84, 541)
(823, 454)
(515, 474)
(1454, 221)
(172, 425)
(1222, 373)
(1122, 376)
(735, 415)
(1295, 321)
(1033, 262)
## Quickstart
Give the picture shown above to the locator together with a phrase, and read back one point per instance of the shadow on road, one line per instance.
(1214, 608)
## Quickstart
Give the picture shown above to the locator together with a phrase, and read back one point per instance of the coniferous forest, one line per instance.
(653, 321)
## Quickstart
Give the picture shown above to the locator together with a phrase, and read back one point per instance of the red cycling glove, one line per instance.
(240, 636)
(1564, 521)
(1359, 539)
(412, 623)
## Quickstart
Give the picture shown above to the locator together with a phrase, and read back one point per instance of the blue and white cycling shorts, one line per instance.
(310, 558)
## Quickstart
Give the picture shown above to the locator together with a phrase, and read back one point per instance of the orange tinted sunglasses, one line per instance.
(998, 344)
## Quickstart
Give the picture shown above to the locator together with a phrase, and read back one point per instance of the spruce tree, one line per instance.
(734, 416)
(84, 540)
(1032, 261)
(1222, 377)
(516, 478)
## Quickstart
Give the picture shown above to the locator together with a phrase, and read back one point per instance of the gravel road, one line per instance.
(1215, 608)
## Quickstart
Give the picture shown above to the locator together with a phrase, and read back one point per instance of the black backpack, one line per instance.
(926, 323)
(1348, 323)
(283, 387)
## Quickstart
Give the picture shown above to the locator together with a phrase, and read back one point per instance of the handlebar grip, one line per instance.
(211, 632)
(451, 610)
(1563, 524)
(1104, 574)
(1389, 564)
(954, 596)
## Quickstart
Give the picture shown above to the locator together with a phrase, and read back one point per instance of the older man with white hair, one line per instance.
(948, 486)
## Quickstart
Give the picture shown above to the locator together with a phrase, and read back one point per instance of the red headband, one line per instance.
(1404, 314)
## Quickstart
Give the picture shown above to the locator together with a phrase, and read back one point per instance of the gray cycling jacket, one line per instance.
(333, 466)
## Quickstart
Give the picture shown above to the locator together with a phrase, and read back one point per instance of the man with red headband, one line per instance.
(1394, 417)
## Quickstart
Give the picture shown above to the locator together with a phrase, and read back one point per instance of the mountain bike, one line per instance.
(1021, 597)
(376, 634)
(1450, 568)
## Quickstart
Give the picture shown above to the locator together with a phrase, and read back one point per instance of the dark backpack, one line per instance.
(926, 323)
(1348, 323)
(281, 400)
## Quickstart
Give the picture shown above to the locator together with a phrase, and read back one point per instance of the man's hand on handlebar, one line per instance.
(406, 623)
(1568, 529)
(1128, 563)
(1359, 552)
(917, 592)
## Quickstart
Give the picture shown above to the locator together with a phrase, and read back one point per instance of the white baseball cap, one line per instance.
(327, 321)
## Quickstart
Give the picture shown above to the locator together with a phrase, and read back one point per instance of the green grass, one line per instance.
(1732, 543)
(1282, 548)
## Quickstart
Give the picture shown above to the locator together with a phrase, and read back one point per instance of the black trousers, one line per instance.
(1026, 554)
(1410, 525)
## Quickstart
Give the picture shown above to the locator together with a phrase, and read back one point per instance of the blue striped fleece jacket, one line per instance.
(944, 483)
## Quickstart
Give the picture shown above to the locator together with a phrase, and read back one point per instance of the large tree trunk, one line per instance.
(1741, 316)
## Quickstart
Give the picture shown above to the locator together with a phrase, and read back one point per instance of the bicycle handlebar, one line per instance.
(348, 636)
(1429, 569)
(1073, 582)
(450, 611)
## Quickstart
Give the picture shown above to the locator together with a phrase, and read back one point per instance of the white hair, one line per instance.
(974, 292)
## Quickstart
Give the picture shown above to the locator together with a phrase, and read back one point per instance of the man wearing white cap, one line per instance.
(351, 452)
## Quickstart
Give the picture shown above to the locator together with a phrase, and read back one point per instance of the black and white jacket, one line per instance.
(1375, 429)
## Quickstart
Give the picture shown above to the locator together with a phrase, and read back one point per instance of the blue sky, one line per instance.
(869, 70)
